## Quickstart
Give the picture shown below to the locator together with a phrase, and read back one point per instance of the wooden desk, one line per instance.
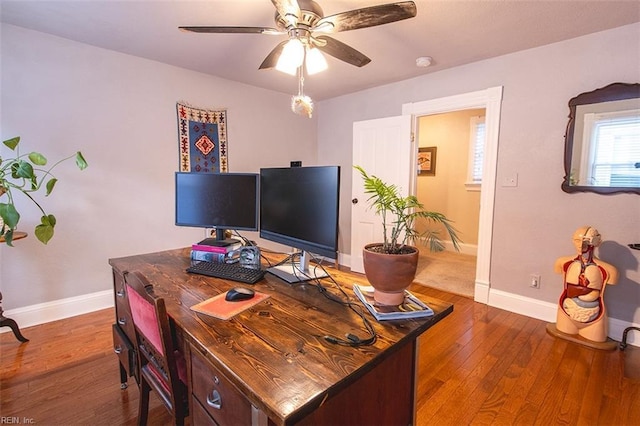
(271, 364)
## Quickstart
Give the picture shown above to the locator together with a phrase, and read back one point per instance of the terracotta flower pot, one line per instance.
(389, 274)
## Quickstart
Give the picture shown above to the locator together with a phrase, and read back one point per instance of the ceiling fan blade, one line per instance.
(341, 51)
(272, 58)
(367, 17)
(288, 9)
(232, 30)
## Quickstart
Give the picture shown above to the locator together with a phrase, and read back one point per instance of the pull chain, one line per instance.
(301, 104)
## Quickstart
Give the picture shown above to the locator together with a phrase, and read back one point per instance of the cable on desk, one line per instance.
(350, 339)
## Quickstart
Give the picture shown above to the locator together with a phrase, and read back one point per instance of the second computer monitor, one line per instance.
(299, 207)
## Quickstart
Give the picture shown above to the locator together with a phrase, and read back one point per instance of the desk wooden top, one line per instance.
(275, 352)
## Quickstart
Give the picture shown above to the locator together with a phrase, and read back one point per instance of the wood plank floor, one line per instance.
(480, 365)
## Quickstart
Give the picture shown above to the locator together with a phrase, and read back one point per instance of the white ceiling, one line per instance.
(453, 32)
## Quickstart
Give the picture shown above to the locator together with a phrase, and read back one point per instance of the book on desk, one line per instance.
(202, 251)
(412, 307)
(202, 246)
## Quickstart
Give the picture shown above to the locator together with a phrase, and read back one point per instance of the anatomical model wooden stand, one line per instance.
(582, 316)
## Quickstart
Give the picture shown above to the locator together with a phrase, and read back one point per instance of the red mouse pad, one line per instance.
(222, 309)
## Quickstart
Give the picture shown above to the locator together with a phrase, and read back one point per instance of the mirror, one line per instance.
(602, 141)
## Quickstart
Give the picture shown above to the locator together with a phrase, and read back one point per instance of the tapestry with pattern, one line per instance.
(202, 138)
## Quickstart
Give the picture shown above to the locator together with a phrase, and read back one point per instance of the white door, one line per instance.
(384, 148)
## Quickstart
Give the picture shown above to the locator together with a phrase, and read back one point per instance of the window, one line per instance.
(612, 157)
(476, 153)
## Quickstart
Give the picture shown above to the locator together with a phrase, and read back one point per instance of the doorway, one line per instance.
(490, 99)
(451, 186)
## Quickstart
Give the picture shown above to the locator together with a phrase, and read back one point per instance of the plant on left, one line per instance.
(26, 173)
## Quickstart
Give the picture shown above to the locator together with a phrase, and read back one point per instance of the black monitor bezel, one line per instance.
(228, 223)
(297, 242)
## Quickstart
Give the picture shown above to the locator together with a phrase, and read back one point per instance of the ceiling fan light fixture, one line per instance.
(315, 61)
(292, 57)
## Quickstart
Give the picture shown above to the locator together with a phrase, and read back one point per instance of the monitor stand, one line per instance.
(295, 272)
(219, 239)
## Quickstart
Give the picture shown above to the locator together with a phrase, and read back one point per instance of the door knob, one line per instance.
(354, 201)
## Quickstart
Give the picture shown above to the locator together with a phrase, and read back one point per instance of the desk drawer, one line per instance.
(122, 347)
(200, 417)
(216, 394)
(123, 312)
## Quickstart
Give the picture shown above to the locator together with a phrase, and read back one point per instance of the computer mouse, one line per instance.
(239, 293)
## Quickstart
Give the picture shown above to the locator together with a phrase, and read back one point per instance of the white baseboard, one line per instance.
(526, 306)
(344, 259)
(59, 309)
(546, 311)
(470, 249)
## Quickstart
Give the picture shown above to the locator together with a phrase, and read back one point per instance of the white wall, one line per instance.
(61, 96)
(534, 221)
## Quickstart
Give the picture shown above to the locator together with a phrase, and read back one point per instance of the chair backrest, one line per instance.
(159, 363)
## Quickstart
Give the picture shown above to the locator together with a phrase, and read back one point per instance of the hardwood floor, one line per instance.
(480, 365)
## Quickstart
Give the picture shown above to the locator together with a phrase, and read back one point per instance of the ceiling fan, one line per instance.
(305, 24)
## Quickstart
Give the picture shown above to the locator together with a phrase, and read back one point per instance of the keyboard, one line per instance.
(227, 271)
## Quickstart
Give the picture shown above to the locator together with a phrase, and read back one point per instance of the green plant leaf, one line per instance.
(49, 220)
(8, 237)
(12, 143)
(37, 159)
(9, 215)
(50, 184)
(22, 169)
(44, 231)
(80, 161)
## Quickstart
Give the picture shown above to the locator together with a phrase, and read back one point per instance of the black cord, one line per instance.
(350, 339)
(245, 240)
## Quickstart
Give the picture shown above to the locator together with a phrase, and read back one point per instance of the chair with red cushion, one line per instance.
(161, 365)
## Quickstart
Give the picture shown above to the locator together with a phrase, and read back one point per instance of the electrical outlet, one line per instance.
(534, 281)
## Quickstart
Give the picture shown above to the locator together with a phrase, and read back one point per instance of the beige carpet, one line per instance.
(448, 271)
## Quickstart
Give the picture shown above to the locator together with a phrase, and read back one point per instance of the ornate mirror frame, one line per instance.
(612, 92)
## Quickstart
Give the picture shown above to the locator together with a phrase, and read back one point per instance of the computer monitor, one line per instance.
(217, 200)
(299, 208)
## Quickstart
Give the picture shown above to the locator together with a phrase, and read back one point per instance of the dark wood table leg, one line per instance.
(8, 322)
(123, 377)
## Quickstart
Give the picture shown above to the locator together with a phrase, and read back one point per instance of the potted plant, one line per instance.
(25, 173)
(390, 265)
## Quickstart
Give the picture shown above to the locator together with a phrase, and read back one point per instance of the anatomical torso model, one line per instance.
(581, 308)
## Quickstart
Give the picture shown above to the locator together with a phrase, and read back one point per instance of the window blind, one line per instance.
(615, 151)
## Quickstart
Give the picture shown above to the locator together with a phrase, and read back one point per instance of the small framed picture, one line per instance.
(427, 161)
